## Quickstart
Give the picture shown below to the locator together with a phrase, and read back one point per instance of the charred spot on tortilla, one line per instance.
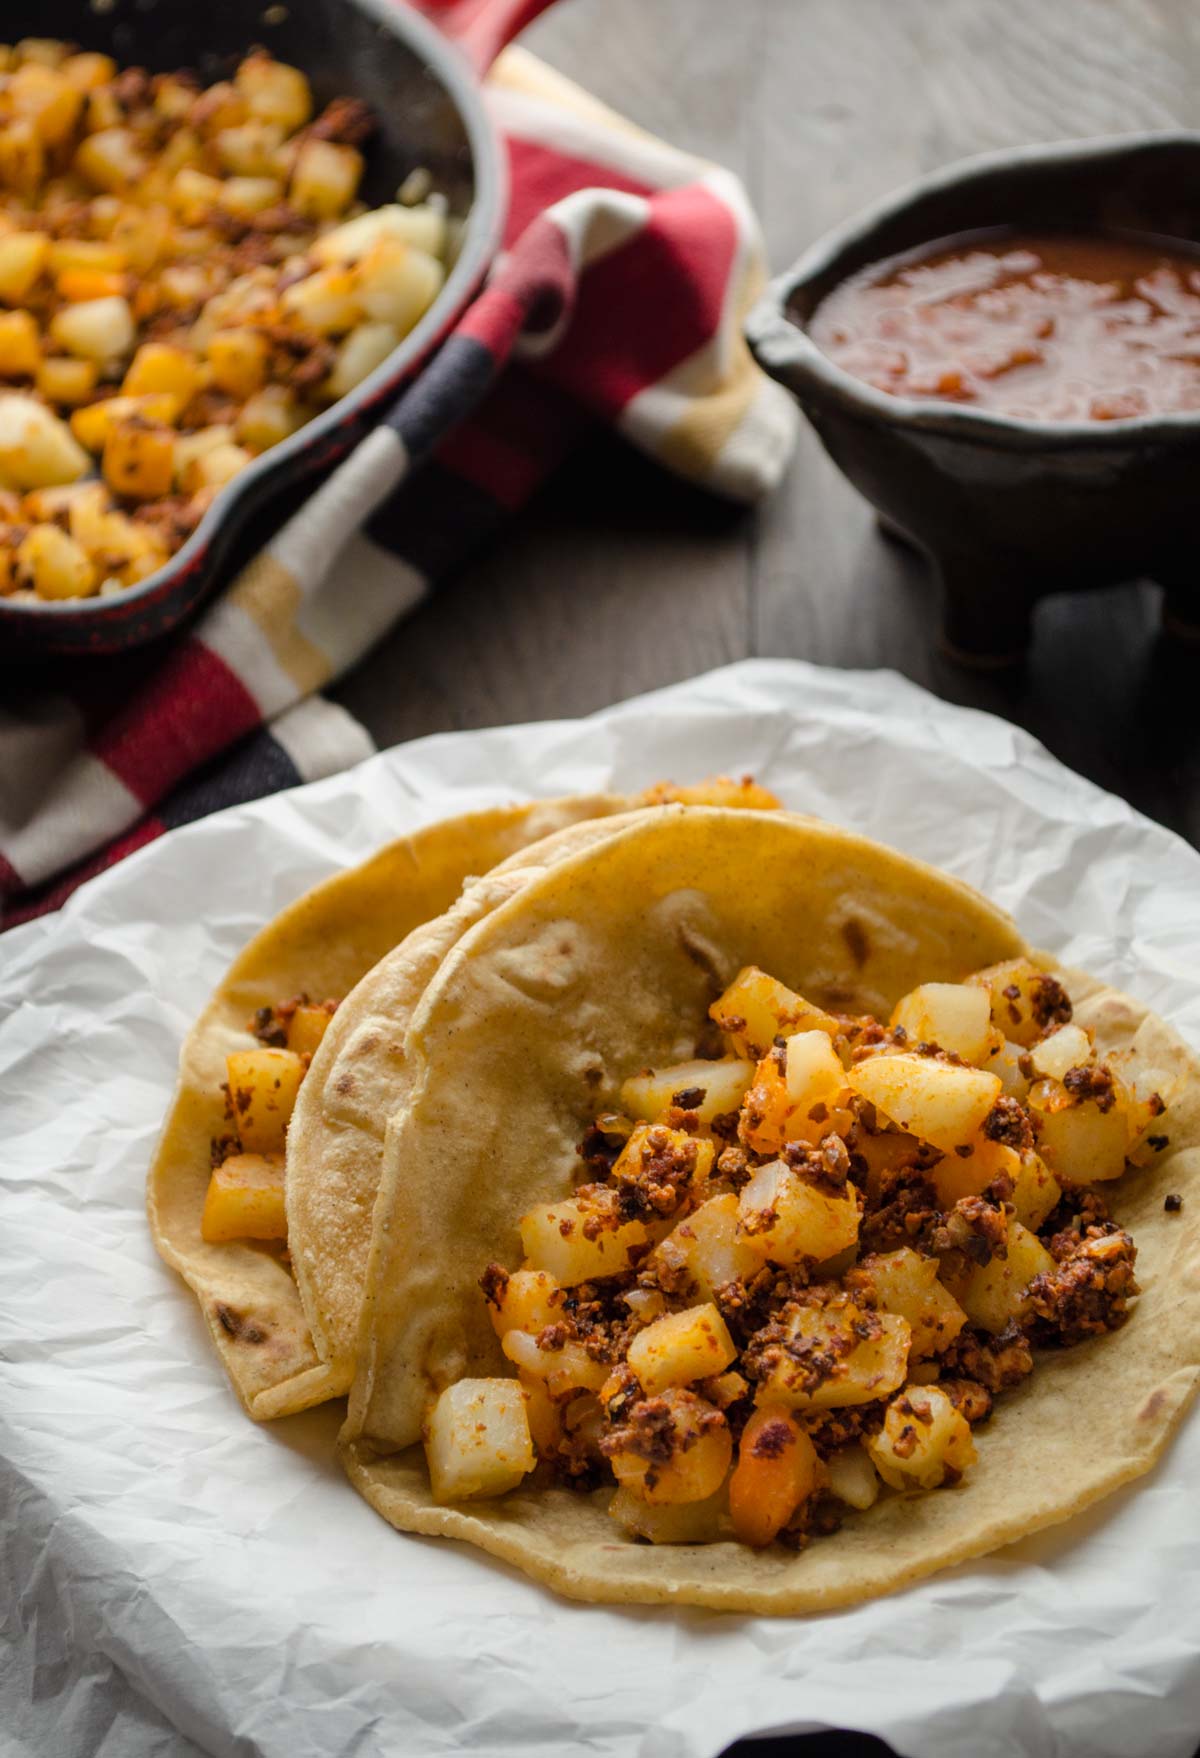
(237, 1326)
(857, 941)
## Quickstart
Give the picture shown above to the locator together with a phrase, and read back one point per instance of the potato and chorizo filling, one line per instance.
(796, 1277)
(246, 1191)
(187, 276)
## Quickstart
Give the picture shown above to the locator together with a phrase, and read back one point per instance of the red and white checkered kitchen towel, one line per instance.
(628, 267)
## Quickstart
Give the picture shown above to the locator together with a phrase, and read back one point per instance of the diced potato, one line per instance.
(787, 1219)
(327, 301)
(938, 1101)
(139, 459)
(756, 1009)
(47, 98)
(250, 195)
(530, 1301)
(994, 1293)
(20, 345)
(907, 1283)
(554, 1239)
(269, 416)
(238, 359)
(23, 256)
(477, 1440)
(54, 564)
(142, 234)
(245, 1200)
(955, 1016)
(22, 156)
(89, 70)
(543, 1414)
(397, 283)
(93, 424)
(424, 226)
(86, 253)
(815, 1080)
(710, 1247)
(78, 285)
(194, 194)
(173, 98)
(248, 149)
(161, 367)
(722, 1086)
(1018, 993)
(1035, 1191)
(111, 160)
(860, 1368)
(190, 446)
(885, 1151)
(45, 51)
(563, 1371)
(262, 1093)
(645, 1303)
(958, 1175)
(701, 1454)
(690, 1157)
(668, 1522)
(852, 1476)
(1078, 1141)
(98, 329)
(37, 450)
(306, 1028)
(274, 92)
(214, 467)
(1068, 1047)
(681, 1347)
(777, 1469)
(325, 179)
(923, 1441)
(1004, 1061)
(366, 347)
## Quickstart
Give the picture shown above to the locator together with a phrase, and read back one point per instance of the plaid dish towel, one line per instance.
(619, 296)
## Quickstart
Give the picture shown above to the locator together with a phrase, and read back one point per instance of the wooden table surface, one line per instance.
(618, 579)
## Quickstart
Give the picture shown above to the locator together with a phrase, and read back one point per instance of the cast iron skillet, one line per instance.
(1008, 510)
(426, 100)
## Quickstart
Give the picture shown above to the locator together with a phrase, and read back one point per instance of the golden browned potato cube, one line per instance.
(55, 565)
(327, 302)
(543, 1414)
(22, 156)
(238, 359)
(938, 1101)
(88, 70)
(710, 1247)
(47, 98)
(45, 51)
(923, 1441)
(214, 467)
(307, 1027)
(194, 194)
(815, 1081)
(529, 1301)
(274, 92)
(20, 345)
(248, 149)
(161, 367)
(37, 450)
(99, 329)
(269, 416)
(668, 1522)
(681, 1347)
(700, 1454)
(553, 1238)
(1077, 1140)
(424, 226)
(325, 179)
(250, 195)
(23, 256)
(139, 458)
(477, 1440)
(190, 446)
(956, 1016)
(218, 106)
(262, 1093)
(756, 1009)
(721, 1087)
(563, 1371)
(830, 1364)
(1067, 1047)
(397, 284)
(907, 1283)
(92, 424)
(852, 1477)
(366, 347)
(245, 1200)
(174, 98)
(142, 234)
(111, 160)
(1035, 1191)
(787, 1220)
(994, 1293)
(1018, 991)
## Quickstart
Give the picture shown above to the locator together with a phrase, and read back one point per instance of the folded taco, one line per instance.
(262, 1189)
(766, 1227)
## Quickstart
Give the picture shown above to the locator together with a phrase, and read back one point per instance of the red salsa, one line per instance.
(1046, 326)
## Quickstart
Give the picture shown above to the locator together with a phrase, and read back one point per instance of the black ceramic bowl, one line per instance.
(429, 113)
(1008, 510)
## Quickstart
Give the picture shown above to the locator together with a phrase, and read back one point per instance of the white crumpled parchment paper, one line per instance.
(176, 1580)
